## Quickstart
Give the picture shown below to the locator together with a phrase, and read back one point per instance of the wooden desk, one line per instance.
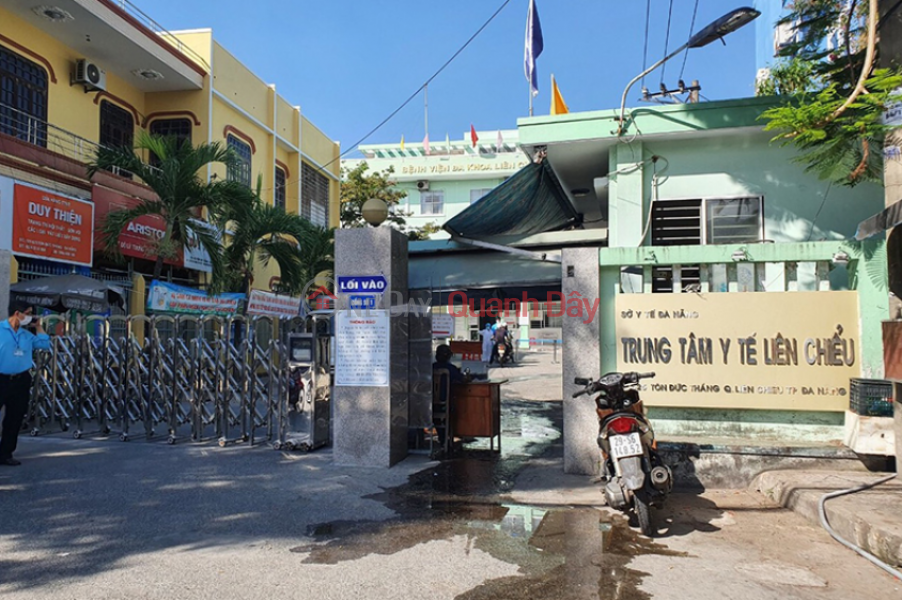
(476, 410)
(467, 350)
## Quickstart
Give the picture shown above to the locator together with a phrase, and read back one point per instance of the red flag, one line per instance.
(473, 137)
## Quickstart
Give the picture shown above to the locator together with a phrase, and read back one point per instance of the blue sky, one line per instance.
(350, 63)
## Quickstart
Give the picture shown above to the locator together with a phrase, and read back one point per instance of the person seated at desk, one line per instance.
(443, 356)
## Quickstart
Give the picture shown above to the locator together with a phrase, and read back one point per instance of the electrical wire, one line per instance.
(691, 31)
(414, 94)
(667, 40)
(645, 46)
(818, 213)
(822, 512)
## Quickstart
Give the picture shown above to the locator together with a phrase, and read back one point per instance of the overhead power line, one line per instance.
(666, 40)
(414, 94)
(691, 31)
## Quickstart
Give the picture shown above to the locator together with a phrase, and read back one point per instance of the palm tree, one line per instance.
(182, 194)
(261, 231)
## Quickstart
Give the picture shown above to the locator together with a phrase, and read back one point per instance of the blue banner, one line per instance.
(169, 297)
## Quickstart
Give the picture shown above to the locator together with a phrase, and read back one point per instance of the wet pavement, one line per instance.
(102, 519)
(560, 552)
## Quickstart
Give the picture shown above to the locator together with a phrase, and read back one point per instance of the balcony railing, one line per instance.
(21, 125)
(170, 38)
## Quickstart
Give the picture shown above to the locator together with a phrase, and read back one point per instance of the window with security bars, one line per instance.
(23, 98)
(694, 222)
(477, 194)
(241, 171)
(314, 195)
(280, 188)
(432, 203)
(180, 129)
(117, 130)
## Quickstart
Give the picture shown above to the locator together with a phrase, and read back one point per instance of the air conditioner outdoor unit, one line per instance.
(423, 185)
(90, 75)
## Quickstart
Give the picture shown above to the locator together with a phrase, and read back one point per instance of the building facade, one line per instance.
(449, 178)
(78, 75)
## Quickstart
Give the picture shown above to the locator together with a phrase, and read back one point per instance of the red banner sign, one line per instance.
(139, 237)
(51, 226)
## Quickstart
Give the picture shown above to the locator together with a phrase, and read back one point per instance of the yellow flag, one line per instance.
(402, 142)
(558, 106)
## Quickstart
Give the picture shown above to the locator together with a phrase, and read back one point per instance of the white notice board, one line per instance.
(361, 348)
(442, 326)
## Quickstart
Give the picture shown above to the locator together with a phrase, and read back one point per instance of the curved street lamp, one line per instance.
(715, 30)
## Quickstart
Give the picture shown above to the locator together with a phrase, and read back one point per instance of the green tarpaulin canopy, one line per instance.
(530, 202)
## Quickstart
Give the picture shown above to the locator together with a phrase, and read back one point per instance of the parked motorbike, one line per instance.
(634, 475)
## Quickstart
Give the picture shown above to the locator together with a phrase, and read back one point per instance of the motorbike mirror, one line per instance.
(582, 381)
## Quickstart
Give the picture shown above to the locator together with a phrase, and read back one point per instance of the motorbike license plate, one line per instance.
(625, 445)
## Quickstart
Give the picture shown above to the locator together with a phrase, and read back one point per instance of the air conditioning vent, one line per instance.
(423, 185)
(89, 75)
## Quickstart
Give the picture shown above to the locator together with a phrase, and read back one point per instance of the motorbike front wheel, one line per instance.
(643, 512)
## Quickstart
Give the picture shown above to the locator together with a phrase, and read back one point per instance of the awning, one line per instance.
(530, 201)
(480, 270)
(885, 219)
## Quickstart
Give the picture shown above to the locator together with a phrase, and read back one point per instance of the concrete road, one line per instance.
(105, 519)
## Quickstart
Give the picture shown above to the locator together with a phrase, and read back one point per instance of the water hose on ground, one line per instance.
(823, 514)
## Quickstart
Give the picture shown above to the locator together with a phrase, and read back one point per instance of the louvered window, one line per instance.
(694, 222)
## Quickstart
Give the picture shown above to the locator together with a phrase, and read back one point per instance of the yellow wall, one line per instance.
(71, 109)
(68, 106)
(325, 152)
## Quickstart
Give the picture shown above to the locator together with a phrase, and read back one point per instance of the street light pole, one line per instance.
(715, 30)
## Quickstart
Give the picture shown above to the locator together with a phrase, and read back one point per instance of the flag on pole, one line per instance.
(534, 47)
(402, 142)
(499, 143)
(426, 145)
(558, 106)
(473, 137)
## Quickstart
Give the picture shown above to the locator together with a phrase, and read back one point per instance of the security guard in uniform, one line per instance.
(16, 346)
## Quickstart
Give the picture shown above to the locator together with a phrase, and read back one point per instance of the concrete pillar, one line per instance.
(371, 419)
(6, 264)
(581, 358)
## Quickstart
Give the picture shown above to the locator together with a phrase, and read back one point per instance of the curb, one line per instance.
(870, 519)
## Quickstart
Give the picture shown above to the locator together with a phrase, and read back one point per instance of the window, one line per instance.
(117, 126)
(734, 221)
(117, 130)
(702, 221)
(23, 98)
(431, 203)
(180, 129)
(280, 188)
(241, 172)
(476, 195)
(314, 195)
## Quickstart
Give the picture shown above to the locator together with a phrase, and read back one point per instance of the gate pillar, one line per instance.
(5, 266)
(370, 396)
(581, 358)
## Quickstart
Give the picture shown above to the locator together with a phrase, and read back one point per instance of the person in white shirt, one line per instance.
(487, 342)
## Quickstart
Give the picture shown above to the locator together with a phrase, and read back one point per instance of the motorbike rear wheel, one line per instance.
(643, 512)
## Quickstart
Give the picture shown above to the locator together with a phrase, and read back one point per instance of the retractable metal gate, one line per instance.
(197, 378)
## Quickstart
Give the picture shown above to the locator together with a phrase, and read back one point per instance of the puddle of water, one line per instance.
(561, 552)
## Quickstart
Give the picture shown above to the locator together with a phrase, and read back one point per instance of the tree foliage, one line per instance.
(262, 232)
(833, 96)
(357, 187)
(182, 194)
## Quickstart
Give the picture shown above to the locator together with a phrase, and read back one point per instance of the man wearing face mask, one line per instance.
(16, 346)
